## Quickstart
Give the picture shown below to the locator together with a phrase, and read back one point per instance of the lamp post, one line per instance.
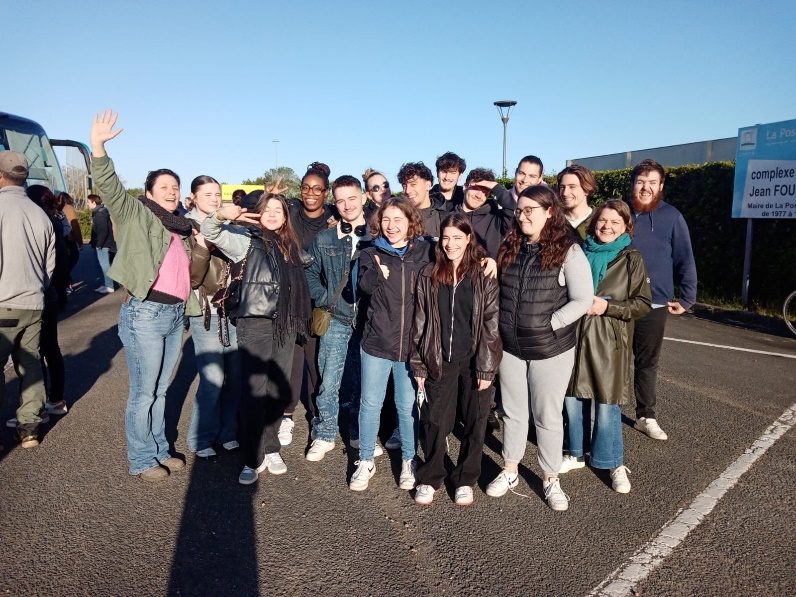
(276, 154)
(507, 105)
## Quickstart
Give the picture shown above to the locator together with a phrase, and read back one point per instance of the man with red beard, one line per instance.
(661, 235)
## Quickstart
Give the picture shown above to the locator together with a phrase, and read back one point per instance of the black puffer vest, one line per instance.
(529, 296)
(259, 288)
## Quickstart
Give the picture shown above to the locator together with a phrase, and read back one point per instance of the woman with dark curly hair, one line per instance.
(273, 306)
(387, 274)
(545, 288)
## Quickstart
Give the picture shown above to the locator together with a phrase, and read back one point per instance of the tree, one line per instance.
(289, 179)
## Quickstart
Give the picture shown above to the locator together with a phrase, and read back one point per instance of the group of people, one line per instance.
(452, 300)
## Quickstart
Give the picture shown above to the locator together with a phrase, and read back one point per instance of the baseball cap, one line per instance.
(13, 162)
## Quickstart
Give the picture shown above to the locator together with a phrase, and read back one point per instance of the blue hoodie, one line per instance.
(663, 239)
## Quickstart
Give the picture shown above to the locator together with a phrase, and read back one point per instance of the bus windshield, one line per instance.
(27, 137)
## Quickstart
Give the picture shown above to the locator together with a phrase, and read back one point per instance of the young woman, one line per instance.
(273, 305)
(387, 274)
(153, 265)
(603, 356)
(455, 354)
(545, 288)
(215, 412)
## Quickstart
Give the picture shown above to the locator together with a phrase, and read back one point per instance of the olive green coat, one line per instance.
(605, 348)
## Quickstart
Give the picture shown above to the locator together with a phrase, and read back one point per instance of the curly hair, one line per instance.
(479, 174)
(287, 241)
(412, 169)
(320, 170)
(409, 210)
(450, 161)
(556, 237)
(442, 272)
(619, 207)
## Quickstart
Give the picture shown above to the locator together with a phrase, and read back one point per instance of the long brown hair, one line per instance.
(409, 210)
(555, 239)
(442, 272)
(286, 238)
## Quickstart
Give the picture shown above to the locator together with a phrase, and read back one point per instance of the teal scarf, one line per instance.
(601, 254)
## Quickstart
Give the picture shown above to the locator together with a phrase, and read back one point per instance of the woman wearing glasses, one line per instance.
(545, 288)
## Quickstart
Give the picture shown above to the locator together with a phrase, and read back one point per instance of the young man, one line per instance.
(575, 185)
(450, 168)
(661, 235)
(26, 233)
(528, 173)
(490, 218)
(332, 283)
(102, 240)
(416, 180)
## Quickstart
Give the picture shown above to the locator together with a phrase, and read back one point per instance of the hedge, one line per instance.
(703, 193)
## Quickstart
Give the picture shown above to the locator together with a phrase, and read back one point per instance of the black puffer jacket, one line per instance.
(426, 353)
(392, 300)
(259, 288)
(529, 296)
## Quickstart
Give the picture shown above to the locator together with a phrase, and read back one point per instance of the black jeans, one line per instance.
(457, 385)
(51, 357)
(305, 352)
(647, 342)
(265, 368)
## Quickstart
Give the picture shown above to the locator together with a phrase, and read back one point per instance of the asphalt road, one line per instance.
(73, 522)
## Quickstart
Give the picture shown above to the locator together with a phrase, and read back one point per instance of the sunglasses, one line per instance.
(376, 188)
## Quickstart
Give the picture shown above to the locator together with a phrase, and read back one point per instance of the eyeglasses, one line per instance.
(526, 211)
(376, 188)
(316, 190)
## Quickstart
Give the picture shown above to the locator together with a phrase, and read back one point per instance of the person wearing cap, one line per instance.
(25, 232)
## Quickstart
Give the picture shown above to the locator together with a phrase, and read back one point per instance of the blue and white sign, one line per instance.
(765, 171)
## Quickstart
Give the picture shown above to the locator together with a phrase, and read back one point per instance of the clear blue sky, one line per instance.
(203, 87)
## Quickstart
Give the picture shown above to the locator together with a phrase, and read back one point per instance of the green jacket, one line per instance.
(141, 240)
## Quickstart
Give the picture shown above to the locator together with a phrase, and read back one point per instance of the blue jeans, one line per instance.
(375, 374)
(338, 358)
(152, 337)
(215, 412)
(607, 449)
(104, 258)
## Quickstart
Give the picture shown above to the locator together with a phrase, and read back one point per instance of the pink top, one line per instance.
(174, 275)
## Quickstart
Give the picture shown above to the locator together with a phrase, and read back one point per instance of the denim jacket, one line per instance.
(331, 257)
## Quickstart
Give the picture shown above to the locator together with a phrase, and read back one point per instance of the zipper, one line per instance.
(453, 305)
(403, 308)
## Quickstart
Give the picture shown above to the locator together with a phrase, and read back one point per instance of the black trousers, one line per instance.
(51, 357)
(647, 342)
(265, 368)
(305, 354)
(456, 386)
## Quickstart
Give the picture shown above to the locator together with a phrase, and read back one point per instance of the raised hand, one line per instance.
(230, 211)
(275, 187)
(102, 131)
(385, 271)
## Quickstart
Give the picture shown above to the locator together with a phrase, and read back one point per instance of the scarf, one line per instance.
(383, 243)
(601, 254)
(293, 314)
(172, 222)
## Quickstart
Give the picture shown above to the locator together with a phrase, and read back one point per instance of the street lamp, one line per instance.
(276, 154)
(507, 105)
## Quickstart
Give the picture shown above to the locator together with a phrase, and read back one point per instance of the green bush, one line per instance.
(84, 218)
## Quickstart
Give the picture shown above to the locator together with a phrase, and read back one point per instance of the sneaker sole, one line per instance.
(278, 472)
(558, 508)
(580, 465)
(497, 495)
(246, 482)
(406, 486)
(29, 443)
(285, 443)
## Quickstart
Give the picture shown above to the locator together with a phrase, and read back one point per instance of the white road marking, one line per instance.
(623, 580)
(775, 354)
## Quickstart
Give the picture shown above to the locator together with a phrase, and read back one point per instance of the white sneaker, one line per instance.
(502, 483)
(651, 428)
(407, 478)
(464, 496)
(555, 496)
(318, 450)
(394, 443)
(56, 408)
(274, 463)
(247, 476)
(365, 470)
(206, 453)
(377, 450)
(285, 433)
(45, 418)
(424, 495)
(570, 463)
(230, 445)
(619, 481)
(103, 290)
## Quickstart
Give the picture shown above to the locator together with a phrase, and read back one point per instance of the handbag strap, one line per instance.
(342, 283)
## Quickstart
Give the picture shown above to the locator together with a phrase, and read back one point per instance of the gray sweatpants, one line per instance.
(542, 384)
